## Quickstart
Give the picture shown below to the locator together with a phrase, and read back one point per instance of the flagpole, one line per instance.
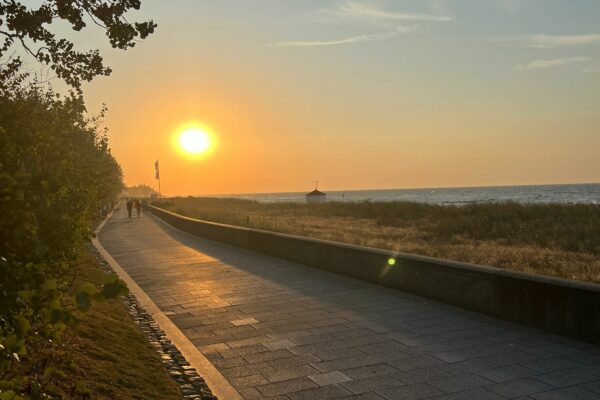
(157, 176)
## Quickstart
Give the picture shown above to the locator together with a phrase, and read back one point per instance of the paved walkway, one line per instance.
(280, 330)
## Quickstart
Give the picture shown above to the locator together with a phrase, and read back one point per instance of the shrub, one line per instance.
(56, 172)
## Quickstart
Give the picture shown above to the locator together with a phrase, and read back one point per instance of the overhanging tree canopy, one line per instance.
(28, 27)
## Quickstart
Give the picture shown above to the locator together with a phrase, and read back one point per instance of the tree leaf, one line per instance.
(88, 288)
(50, 285)
(8, 395)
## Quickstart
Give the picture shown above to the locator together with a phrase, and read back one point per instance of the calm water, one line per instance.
(588, 193)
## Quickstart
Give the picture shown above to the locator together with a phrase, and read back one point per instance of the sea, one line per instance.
(567, 193)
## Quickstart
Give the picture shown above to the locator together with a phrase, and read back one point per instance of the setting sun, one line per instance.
(194, 141)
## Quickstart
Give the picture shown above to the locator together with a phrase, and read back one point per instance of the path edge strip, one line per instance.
(217, 383)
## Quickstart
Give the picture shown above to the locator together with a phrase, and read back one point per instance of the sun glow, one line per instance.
(194, 141)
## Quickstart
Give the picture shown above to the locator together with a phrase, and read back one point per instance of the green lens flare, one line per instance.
(391, 261)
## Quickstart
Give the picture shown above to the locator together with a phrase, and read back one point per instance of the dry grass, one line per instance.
(106, 354)
(549, 239)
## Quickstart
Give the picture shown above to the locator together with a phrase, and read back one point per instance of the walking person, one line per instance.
(138, 207)
(129, 207)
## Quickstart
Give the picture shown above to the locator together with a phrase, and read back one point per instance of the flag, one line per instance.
(156, 173)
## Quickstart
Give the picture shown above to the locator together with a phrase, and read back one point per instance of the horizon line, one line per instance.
(384, 189)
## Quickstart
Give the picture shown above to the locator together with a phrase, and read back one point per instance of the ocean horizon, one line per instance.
(586, 193)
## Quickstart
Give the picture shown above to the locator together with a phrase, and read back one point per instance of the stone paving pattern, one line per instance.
(280, 330)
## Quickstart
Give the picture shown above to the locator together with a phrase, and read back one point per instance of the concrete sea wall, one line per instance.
(555, 305)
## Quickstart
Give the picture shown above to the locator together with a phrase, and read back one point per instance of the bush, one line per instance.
(56, 173)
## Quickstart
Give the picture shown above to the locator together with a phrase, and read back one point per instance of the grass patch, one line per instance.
(560, 240)
(105, 356)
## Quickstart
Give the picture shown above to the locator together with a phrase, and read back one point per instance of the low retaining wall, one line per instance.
(556, 305)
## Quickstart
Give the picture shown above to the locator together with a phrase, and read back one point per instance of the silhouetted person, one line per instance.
(129, 207)
(138, 206)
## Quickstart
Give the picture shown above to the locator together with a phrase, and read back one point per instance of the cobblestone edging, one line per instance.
(192, 386)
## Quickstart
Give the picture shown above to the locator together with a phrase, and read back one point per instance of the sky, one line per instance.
(357, 94)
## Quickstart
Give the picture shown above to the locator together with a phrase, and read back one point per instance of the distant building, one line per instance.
(316, 196)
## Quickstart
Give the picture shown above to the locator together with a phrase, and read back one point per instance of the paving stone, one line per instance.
(551, 364)
(364, 396)
(247, 341)
(358, 341)
(290, 362)
(460, 355)
(286, 374)
(383, 347)
(421, 361)
(247, 381)
(336, 365)
(311, 348)
(280, 344)
(237, 334)
(370, 371)
(515, 357)
(312, 339)
(350, 333)
(206, 340)
(504, 374)
(246, 370)
(250, 394)
(459, 383)
(572, 393)
(328, 329)
(467, 366)
(229, 362)
(593, 369)
(592, 386)
(267, 356)
(583, 357)
(421, 375)
(448, 345)
(336, 354)
(321, 393)
(242, 351)
(371, 384)
(286, 387)
(419, 340)
(472, 394)
(491, 349)
(213, 348)
(329, 378)
(566, 378)
(520, 387)
(409, 392)
(552, 350)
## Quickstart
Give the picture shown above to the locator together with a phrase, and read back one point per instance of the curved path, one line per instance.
(280, 330)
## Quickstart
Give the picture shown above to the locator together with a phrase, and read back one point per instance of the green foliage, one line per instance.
(139, 191)
(56, 173)
(27, 26)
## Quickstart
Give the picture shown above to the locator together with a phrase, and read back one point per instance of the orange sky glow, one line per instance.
(446, 104)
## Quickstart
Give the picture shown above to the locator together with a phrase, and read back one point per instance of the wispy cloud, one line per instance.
(374, 37)
(388, 21)
(592, 68)
(356, 10)
(550, 63)
(549, 41)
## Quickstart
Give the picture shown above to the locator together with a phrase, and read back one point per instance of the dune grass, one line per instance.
(560, 240)
(105, 357)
